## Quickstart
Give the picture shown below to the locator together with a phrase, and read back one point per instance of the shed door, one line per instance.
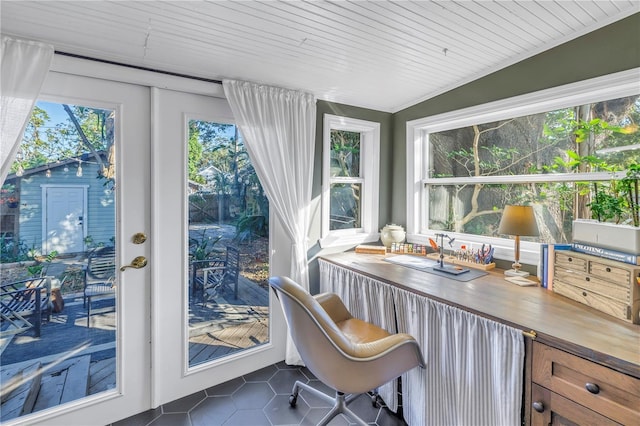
(64, 218)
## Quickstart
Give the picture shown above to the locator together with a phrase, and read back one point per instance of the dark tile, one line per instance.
(280, 412)
(213, 411)
(248, 417)
(262, 375)
(172, 419)
(253, 395)
(315, 401)
(363, 407)
(183, 405)
(308, 373)
(141, 419)
(282, 382)
(284, 366)
(314, 416)
(226, 388)
(388, 418)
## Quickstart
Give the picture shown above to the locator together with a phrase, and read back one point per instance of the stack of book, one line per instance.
(547, 256)
(619, 256)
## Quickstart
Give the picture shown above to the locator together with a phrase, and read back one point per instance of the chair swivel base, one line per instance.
(340, 403)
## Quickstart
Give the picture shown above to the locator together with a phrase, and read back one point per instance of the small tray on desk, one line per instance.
(452, 260)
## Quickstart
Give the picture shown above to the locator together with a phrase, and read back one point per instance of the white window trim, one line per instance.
(369, 173)
(597, 89)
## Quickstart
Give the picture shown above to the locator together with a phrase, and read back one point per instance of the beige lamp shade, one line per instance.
(518, 220)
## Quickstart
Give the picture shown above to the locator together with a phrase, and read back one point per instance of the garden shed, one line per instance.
(65, 206)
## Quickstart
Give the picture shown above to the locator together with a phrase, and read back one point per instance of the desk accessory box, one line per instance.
(606, 285)
(455, 261)
(371, 249)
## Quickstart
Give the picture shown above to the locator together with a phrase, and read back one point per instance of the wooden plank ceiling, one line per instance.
(384, 55)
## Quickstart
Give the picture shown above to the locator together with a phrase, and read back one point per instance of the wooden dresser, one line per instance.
(582, 366)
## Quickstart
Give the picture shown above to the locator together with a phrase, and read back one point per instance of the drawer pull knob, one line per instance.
(570, 259)
(587, 279)
(538, 406)
(608, 269)
(593, 388)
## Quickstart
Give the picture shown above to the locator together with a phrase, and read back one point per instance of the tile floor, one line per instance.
(256, 399)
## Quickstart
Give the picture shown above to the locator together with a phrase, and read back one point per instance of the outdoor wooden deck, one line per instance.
(74, 361)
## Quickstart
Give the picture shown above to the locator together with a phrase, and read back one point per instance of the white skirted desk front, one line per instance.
(496, 353)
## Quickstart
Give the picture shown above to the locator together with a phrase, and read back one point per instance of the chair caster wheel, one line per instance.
(374, 401)
(293, 400)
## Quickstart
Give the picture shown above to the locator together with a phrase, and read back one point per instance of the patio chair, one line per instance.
(99, 276)
(213, 276)
(23, 305)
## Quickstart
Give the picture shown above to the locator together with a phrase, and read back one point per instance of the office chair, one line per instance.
(347, 354)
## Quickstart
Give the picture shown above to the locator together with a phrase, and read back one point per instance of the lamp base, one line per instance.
(515, 273)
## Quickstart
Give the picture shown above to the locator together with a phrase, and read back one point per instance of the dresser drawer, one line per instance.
(597, 301)
(549, 408)
(605, 391)
(570, 262)
(608, 272)
(593, 284)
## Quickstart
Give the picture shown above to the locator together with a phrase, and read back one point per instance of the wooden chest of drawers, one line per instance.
(567, 389)
(606, 285)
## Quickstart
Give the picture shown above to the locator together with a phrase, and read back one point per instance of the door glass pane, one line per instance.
(58, 278)
(228, 245)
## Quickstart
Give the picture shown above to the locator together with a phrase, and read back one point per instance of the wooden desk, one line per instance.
(558, 322)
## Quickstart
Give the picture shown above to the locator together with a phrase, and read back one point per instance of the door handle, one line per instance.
(136, 263)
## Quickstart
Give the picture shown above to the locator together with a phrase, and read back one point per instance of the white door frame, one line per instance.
(172, 377)
(131, 394)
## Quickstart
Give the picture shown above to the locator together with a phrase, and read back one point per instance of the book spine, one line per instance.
(545, 265)
(619, 256)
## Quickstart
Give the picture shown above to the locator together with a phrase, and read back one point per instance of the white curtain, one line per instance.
(278, 126)
(367, 299)
(24, 66)
(473, 373)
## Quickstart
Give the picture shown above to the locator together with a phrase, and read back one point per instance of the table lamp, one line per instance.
(518, 220)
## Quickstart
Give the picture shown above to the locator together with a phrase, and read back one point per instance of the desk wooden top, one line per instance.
(557, 320)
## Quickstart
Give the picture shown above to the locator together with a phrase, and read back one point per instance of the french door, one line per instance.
(125, 195)
(149, 195)
(178, 371)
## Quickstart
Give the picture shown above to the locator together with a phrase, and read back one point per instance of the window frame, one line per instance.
(602, 88)
(369, 179)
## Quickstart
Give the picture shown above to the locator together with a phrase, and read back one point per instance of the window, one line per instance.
(351, 163)
(546, 149)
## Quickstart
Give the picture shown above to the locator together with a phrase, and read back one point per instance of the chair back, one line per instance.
(232, 266)
(330, 355)
(101, 265)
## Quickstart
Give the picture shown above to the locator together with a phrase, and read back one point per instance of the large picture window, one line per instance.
(553, 150)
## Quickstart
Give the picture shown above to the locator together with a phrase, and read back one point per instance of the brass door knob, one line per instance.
(136, 263)
(139, 238)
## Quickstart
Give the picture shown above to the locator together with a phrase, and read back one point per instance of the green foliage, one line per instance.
(44, 142)
(249, 227)
(597, 126)
(202, 247)
(345, 153)
(12, 250)
(195, 153)
(39, 269)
